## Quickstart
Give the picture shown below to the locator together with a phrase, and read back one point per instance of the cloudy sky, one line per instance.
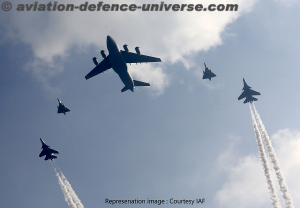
(181, 138)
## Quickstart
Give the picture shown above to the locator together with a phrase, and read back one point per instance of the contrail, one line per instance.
(78, 128)
(220, 89)
(68, 131)
(63, 187)
(264, 162)
(283, 187)
(210, 98)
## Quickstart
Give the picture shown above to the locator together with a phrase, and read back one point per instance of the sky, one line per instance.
(182, 137)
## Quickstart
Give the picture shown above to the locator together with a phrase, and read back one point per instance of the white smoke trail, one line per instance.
(69, 188)
(63, 187)
(283, 187)
(72, 192)
(264, 162)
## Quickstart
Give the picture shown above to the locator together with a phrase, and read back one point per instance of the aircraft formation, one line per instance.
(118, 60)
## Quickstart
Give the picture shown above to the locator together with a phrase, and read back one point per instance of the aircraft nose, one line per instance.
(109, 42)
(108, 39)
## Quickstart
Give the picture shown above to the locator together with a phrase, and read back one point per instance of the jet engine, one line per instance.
(95, 61)
(103, 54)
(137, 50)
(126, 48)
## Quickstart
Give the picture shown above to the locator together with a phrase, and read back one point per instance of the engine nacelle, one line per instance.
(137, 50)
(103, 54)
(95, 61)
(126, 48)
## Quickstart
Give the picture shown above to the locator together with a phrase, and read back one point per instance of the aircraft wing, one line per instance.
(205, 77)
(101, 67)
(252, 92)
(53, 151)
(135, 58)
(67, 110)
(208, 76)
(42, 153)
(242, 95)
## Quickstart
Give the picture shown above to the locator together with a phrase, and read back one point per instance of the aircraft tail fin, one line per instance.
(139, 83)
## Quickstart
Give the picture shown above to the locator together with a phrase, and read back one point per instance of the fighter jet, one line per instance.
(62, 108)
(117, 60)
(248, 93)
(47, 151)
(207, 74)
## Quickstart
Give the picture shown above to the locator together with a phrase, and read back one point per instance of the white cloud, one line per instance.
(246, 185)
(153, 75)
(173, 36)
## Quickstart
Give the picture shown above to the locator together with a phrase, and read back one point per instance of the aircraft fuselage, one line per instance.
(118, 63)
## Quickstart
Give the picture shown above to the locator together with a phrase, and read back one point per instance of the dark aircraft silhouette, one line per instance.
(47, 151)
(248, 93)
(62, 108)
(207, 74)
(117, 60)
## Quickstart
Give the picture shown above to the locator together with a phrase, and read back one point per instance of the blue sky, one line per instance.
(166, 141)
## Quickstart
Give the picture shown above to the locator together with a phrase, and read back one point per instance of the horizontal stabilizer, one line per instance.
(124, 89)
(139, 83)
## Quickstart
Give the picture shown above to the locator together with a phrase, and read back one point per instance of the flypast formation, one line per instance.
(117, 60)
